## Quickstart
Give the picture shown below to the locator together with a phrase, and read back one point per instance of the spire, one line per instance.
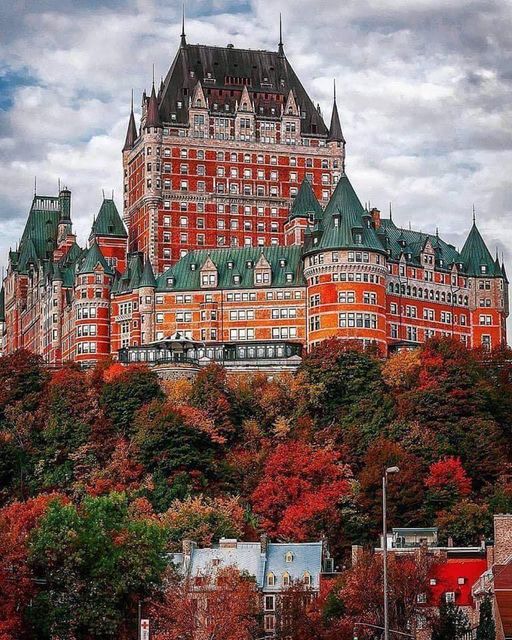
(147, 278)
(280, 47)
(390, 212)
(335, 133)
(153, 117)
(131, 133)
(183, 40)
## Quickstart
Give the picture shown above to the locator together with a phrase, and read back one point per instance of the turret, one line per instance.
(305, 210)
(152, 116)
(131, 132)
(345, 272)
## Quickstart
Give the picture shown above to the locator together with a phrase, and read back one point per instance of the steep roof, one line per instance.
(230, 262)
(306, 558)
(153, 117)
(108, 221)
(343, 220)
(335, 132)
(476, 255)
(305, 202)
(131, 277)
(91, 259)
(131, 133)
(40, 234)
(264, 73)
(147, 278)
(446, 254)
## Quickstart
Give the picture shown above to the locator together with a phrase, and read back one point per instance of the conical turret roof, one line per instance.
(335, 132)
(131, 133)
(147, 278)
(476, 256)
(345, 223)
(153, 117)
(305, 203)
(92, 258)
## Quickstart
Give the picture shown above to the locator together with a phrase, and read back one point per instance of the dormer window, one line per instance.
(358, 238)
(289, 277)
(271, 580)
(483, 268)
(307, 579)
(179, 104)
(288, 556)
(170, 281)
(282, 262)
(236, 279)
(336, 221)
(286, 580)
(230, 264)
(193, 266)
(249, 264)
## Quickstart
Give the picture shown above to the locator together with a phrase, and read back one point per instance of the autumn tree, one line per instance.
(405, 491)
(447, 482)
(95, 559)
(465, 523)
(204, 520)
(17, 585)
(128, 391)
(359, 592)
(299, 490)
(178, 451)
(220, 604)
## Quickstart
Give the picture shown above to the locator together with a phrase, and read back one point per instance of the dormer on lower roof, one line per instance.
(262, 272)
(209, 274)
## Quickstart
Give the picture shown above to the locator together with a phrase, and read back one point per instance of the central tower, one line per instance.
(222, 148)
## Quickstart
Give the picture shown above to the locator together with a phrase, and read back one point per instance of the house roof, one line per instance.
(40, 234)
(246, 556)
(503, 594)
(147, 279)
(229, 262)
(307, 558)
(263, 73)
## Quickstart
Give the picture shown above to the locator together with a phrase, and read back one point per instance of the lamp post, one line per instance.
(385, 547)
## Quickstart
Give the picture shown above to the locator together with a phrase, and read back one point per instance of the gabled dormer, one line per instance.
(428, 255)
(199, 100)
(209, 275)
(291, 109)
(245, 104)
(262, 272)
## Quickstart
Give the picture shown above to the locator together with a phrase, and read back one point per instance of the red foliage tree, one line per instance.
(448, 476)
(300, 487)
(221, 605)
(16, 582)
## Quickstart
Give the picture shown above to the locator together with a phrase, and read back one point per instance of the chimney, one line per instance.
(228, 543)
(502, 537)
(357, 553)
(375, 214)
(264, 543)
(188, 548)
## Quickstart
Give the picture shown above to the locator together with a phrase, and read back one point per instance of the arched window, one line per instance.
(286, 579)
(307, 579)
(271, 580)
(288, 556)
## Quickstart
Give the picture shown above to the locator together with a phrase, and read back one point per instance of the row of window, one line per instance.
(221, 223)
(428, 294)
(233, 209)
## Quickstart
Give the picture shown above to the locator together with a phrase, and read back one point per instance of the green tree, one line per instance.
(96, 559)
(486, 629)
(121, 397)
(452, 623)
(465, 523)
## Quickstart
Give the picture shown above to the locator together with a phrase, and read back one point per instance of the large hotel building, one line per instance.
(241, 238)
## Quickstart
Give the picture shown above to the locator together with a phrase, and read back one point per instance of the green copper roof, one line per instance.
(392, 237)
(91, 260)
(130, 279)
(476, 255)
(108, 221)
(147, 278)
(285, 263)
(40, 233)
(305, 203)
(345, 223)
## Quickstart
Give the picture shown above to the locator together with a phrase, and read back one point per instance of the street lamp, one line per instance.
(385, 547)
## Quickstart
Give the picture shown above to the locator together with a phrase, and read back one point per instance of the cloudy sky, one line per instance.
(424, 92)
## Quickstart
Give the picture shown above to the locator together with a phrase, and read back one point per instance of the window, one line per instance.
(461, 580)
(269, 603)
(421, 598)
(433, 582)
(449, 596)
(347, 297)
(286, 580)
(307, 579)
